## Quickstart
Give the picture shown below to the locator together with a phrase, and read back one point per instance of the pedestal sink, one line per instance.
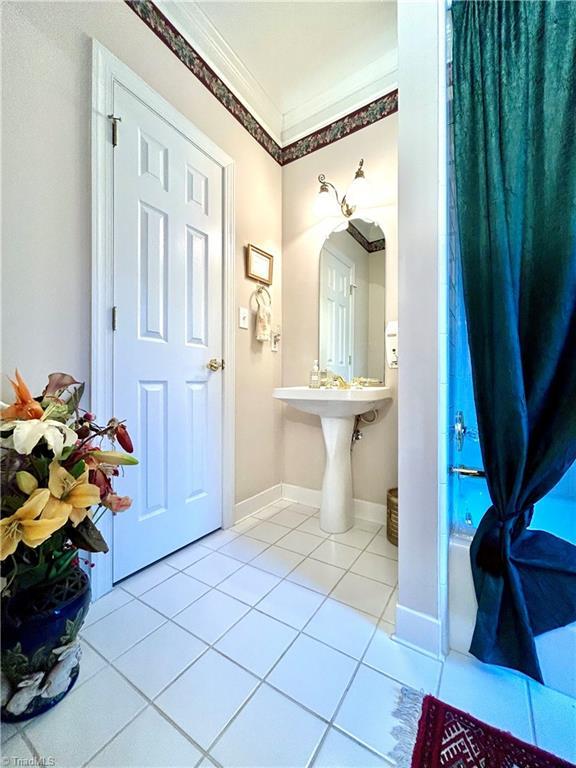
(337, 409)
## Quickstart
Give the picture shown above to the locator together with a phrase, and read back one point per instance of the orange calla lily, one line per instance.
(70, 497)
(27, 526)
(25, 406)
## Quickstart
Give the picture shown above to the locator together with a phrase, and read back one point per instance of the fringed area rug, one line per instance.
(433, 734)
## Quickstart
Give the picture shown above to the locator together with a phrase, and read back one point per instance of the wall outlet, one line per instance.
(243, 318)
(275, 339)
(392, 344)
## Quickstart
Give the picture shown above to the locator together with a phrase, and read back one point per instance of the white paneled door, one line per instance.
(168, 297)
(336, 312)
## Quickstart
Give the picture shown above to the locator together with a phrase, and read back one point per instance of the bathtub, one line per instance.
(557, 649)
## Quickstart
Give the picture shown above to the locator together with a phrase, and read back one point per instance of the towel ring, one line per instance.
(263, 290)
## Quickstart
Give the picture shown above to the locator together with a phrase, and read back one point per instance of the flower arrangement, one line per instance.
(56, 481)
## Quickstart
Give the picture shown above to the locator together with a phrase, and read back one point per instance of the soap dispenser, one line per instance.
(315, 376)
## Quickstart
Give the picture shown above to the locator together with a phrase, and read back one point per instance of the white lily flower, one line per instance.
(27, 434)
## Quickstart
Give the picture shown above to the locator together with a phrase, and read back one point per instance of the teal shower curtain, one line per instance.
(514, 76)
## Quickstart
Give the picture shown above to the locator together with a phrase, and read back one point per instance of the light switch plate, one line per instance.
(243, 318)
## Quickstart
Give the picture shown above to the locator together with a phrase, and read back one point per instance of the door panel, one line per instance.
(168, 291)
(153, 283)
(336, 313)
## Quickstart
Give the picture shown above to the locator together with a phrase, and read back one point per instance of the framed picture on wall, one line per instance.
(259, 264)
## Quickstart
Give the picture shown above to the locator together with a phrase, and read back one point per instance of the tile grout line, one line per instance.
(209, 646)
(264, 680)
(352, 678)
(151, 702)
(362, 551)
(332, 723)
(31, 746)
(531, 713)
(250, 606)
(353, 675)
(261, 680)
(244, 562)
(212, 646)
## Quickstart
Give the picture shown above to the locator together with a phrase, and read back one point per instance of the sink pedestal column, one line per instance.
(336, 510)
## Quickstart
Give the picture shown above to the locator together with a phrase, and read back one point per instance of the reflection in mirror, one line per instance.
(352, 301)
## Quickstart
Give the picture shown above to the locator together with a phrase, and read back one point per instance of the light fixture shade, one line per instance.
(325, 204)
(358, 194)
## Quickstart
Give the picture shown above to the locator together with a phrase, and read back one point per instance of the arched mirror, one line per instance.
(352, 301)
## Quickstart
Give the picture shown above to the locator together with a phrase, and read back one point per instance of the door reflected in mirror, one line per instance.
(352, 301)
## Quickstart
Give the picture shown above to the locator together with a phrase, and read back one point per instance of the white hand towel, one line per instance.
(263, 321)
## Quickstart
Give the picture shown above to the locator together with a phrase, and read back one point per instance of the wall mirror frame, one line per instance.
(352, 301)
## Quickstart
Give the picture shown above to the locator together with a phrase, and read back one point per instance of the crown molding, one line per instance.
(193, 24)
(366, 85)
(172, 32)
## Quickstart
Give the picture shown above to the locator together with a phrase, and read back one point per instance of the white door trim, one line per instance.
(107, 70)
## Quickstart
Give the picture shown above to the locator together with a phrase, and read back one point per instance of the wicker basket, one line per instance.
(392, 516)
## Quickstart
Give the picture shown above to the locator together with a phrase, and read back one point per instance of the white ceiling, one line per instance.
(295, 65)
(298, 50)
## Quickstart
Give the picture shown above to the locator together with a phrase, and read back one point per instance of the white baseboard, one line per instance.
(254, 503)
(298, 493)
(419, 630)
(367, 510)
(370, 510)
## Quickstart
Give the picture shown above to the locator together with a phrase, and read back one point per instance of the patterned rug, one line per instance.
(449, 738)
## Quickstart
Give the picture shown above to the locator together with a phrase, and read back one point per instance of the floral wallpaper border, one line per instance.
(167, 32)
(180, 47)
(378, 109)
(369, 246)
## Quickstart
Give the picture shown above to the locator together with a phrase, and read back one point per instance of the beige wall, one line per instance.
(375, 457)
(46, 82)
(46, 60)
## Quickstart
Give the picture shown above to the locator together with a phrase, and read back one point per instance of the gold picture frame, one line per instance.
(259, 265)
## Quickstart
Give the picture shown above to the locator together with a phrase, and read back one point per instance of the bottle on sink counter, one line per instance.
(315, 376)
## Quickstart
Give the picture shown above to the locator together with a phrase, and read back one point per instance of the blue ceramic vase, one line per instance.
(40, 648)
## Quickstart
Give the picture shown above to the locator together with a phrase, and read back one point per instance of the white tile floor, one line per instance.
(266, 645)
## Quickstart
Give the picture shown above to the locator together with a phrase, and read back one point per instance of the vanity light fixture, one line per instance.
(328, 202)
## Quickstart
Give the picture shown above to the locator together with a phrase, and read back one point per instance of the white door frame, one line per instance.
(107, 70)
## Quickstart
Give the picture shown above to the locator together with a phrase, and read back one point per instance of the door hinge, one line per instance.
(114, 318)
(114, 120)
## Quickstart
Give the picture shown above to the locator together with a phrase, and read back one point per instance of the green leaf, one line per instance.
(14, 662)
(40, 465)
(73, 627)
(86, 536)
(39, 661)
(11, 503)
(77, 469)
(56, 409)
(75, 398)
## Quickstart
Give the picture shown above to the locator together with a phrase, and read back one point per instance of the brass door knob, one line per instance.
(215, 365)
